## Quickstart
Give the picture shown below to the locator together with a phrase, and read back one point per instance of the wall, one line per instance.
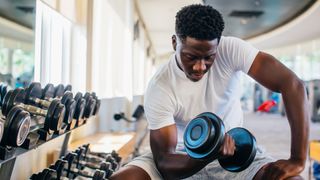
(98, 58)
(57, 26)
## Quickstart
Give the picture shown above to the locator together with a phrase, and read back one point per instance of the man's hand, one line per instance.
(228, 147)
(282, 169)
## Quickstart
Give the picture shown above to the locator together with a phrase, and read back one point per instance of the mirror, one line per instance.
(17, 24)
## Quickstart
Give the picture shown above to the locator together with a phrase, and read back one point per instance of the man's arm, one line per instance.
(173, 165)
(272, 74)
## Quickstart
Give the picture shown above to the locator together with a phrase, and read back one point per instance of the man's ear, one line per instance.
(174, 42)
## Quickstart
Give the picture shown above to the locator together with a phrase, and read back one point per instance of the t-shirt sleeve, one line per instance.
(240, 54)
(159, 107)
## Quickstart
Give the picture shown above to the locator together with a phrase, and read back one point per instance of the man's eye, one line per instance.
(191, 57)
(209, 58)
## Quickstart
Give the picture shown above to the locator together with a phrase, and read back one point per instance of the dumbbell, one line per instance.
(59, 90)
(90, 105)
(204, 136)
(96, 175)
(46, 174)
(68, 88)
(36, 96)
(15, 127)
(91, 158)
(82, 161)
(3, 91)
(108, 164)
(53, 115)
(80, 106)
(102, 155)
(60, 167)
(71, 170)
(112, 158)
(98, 102)
(2, 121)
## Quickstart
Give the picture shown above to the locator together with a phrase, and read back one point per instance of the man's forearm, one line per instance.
(179, 166)
(297, 109)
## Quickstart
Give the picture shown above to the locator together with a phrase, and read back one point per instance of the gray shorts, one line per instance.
(211, 171)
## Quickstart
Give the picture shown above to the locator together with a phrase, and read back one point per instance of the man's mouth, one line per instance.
(197, 75)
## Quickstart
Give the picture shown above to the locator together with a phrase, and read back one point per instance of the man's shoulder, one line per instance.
(230, 43)
(159, 84)
(163, 73)
(229, 39)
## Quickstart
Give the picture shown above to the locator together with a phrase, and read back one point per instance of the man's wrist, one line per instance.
(298, 160)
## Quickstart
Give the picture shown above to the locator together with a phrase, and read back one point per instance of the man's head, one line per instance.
(198, 31)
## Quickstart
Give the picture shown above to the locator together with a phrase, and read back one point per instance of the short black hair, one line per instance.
(198, 21)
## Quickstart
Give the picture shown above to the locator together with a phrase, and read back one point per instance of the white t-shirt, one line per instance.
(171, 98)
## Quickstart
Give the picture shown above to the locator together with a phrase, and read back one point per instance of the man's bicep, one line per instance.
(269, 72)
(163, 141)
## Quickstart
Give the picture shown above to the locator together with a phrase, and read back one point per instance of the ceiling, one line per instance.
(250, 18)
(266, 23)
(246, 19)
(17, 19)
(19, 11)
(301, 29)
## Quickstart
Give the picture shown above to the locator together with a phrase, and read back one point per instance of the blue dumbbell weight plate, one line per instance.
(245, 151)
(203, 135)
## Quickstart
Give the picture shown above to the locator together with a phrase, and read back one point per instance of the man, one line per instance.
(203, 76)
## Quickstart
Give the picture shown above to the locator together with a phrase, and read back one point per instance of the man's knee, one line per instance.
(259, 175)
(130, 173)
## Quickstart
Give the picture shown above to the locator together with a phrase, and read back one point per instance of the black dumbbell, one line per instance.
(2, 121)
(46, 174)
(94, 162)
(80, 106)
(53, 115)
(90, 105)
(68, 88)
(61, 168)
(102, 155)
(15, 127)
(107, 163)
(96, 175)
(3, 91)
(73, 172)
(82, 161)
(90, 157)
(59, 90)
(205, 134)
(36, 96)
(98, 103)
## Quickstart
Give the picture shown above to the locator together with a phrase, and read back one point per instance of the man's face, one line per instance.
(195, 57)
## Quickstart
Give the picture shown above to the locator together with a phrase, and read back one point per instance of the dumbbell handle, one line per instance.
(34, 110)
(42, 102)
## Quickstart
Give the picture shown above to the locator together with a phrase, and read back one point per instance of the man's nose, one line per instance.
(199, 66)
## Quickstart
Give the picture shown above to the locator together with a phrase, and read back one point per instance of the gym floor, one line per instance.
(272, 133)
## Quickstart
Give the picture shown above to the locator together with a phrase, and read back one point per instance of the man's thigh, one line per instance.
(215, 172)
(146, 163)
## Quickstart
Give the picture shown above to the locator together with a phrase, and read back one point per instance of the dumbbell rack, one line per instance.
(7, 165)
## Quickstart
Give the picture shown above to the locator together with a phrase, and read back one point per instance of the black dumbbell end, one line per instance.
(245, 151)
